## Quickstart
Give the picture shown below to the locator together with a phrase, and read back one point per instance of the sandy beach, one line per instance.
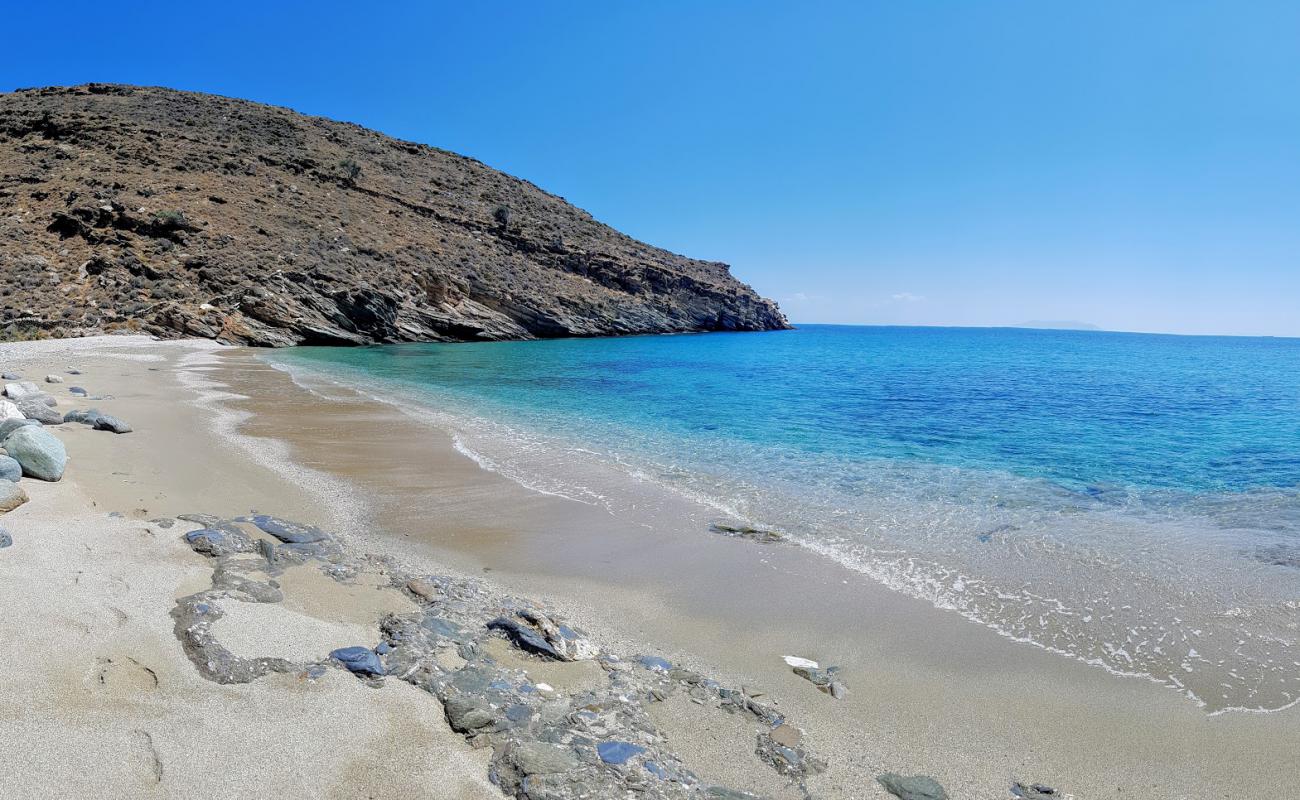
(101, 693)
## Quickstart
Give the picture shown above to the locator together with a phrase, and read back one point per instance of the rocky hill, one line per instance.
(182, 214)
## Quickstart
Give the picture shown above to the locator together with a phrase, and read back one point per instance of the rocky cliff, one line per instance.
(181, 214)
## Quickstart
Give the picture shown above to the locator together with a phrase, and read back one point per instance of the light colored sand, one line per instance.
(87, 599)
(96, 697)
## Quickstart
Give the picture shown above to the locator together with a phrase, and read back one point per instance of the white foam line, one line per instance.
(911, 580)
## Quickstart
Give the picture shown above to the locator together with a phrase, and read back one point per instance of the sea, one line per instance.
(1129, 500)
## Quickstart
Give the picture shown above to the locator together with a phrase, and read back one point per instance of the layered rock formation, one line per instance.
(182, 214)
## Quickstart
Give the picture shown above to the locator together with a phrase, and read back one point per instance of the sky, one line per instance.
(1131, 165)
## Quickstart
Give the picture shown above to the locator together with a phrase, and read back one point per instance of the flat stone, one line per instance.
(40, 454)
(216, 543)
(914, 787)
(542, 758)
(1034, 791)
(361, 660)
(655, 663)
(11, 496)
(617, 752)
(77, 391)
(786, 735)
(286, 531)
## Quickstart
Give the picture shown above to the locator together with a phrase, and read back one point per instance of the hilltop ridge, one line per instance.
(185, 214)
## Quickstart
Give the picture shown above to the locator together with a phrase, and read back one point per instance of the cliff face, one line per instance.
(184, 214)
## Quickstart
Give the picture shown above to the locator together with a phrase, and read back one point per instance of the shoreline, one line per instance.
(961, 703)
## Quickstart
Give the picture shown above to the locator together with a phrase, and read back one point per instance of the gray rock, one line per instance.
(53, 379)
(8, 410)
(8, 426)
(286, 531)
(10, 470)
(77, 391)
(5, 538)
(40, 454)
(915, 787)
(467, 714)
(535, 631)
(73, 371)
(542, 758)
(86, 416)
(111, 424)
(361, 660)
(10, 376)
(216, 543)
(746, 532)
(35, 407)
(11, 496)
(618, 752)
(20, 389)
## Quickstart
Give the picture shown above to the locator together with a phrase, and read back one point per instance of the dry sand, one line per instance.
(97, 698)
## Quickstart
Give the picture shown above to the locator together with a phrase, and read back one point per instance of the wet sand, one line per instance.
(930, 692)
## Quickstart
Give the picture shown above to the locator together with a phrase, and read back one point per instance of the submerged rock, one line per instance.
(40, 454)
(10, 470)
(11, 496)
(914, 787)
(361, 660)
(745, 532)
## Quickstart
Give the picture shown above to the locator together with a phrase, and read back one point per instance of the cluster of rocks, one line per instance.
(28, 449)
(590, 742)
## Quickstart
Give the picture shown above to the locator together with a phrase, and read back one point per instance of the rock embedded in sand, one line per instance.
(541, 758)
(618, 752)
(77, 391)
(217, 543)
(361, 660)
(10, 376)
(286, 531)
(40, 454)
(423, 589)
(5, 538)
(535, 631)
(53, 379)
(10, 470)
(11, 496)
(914, 787)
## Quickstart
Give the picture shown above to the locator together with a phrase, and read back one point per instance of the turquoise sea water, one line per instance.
(1132, 500)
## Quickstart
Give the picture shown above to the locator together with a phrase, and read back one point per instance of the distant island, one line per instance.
(1058, 325)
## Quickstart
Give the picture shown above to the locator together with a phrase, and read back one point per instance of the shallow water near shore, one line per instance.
(1128, 500)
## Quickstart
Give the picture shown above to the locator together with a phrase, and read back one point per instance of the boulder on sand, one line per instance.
(10, 470)
(16, 391)
(8, 426)
(35, 407)
(40, 454)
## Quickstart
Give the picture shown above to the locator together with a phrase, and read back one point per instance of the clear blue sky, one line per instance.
(1132, 165)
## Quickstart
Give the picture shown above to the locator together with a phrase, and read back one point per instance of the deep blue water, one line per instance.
(1024, 478)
